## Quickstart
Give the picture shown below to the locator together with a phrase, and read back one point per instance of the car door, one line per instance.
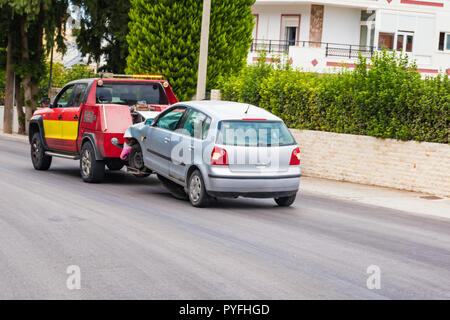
(187, 142)
(71, 117)
(53, 119)
(157, 145)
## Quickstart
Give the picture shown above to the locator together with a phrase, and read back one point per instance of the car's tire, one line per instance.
(196, 190)
(176, 190)
(115, 164)
(285, 201)
(40, 160)
(92, 170)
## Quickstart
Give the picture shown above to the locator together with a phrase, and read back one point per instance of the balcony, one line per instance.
(330, 49)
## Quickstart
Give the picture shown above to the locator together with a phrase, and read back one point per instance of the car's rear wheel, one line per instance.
(197, 191)
(285, 201)
(92, 170)
(40, 160)
(115, 164)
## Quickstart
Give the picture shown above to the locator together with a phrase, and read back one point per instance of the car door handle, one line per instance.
(191, 148)
(60, 117)
(75, 117)
(166, 140)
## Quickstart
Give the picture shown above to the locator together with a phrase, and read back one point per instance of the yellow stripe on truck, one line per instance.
(58, 129)
(52, 129)
(69, 130)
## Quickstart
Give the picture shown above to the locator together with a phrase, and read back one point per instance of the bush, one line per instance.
(387, 99)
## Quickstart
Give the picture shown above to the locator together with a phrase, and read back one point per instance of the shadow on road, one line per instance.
(121, 178)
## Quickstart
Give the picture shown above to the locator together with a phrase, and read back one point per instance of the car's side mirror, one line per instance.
(148, 122)
(45, 102)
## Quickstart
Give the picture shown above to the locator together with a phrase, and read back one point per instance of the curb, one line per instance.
(14, 137)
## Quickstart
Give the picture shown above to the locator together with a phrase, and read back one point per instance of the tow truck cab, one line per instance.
(88, 114)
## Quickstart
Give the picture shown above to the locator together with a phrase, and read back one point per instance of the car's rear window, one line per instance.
(254, 133)
(131, 93)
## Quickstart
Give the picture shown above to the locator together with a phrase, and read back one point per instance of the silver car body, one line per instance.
(175, 155)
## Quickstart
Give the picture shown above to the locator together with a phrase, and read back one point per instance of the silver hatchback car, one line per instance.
(210, 149)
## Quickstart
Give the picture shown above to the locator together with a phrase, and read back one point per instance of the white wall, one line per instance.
(270, 18)
(423, 26)
(341, 25)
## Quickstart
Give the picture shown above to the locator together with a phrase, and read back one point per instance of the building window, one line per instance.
(386, 40)
(444, 41)
(404, 41)
(290, 27)
(291, 35)
(367, 29)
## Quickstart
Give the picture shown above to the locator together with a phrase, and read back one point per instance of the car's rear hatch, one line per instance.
(256, 146)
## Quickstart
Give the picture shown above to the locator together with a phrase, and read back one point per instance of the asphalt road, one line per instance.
(131, 239)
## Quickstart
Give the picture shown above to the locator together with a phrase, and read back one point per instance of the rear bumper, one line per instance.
(252, 194)
(252, 186)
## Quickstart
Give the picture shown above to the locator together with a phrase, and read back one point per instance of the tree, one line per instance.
(61, 76)
(164, 38)
(102, 32)
(29, 23)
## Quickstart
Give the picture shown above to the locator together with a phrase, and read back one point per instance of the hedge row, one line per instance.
(387, 99)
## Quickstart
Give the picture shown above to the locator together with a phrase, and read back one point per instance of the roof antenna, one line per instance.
(247, 109)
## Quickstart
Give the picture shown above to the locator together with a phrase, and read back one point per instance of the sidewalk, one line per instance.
(410, 202)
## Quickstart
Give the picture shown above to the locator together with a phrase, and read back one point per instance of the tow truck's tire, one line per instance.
(115, 164)
(92, 170)
(285, 201)
(136, 160)
(176, 190)
(40, 160)
(196, 190)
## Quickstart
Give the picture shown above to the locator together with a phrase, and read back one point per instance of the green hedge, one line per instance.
(387, 99)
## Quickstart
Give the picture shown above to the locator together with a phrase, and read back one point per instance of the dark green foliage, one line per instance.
(164, 39)
(103, 30)
(389, 100)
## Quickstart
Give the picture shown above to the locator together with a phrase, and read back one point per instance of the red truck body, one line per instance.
(79, 115)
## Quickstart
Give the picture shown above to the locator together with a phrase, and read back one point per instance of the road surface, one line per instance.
(132, 240)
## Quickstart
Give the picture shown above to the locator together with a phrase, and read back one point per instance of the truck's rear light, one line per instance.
(219, 157)
(295, 157)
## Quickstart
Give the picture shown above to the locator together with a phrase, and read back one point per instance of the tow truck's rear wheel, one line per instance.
(92, 170)
(40, 160)
(136, 160)
(115, 164)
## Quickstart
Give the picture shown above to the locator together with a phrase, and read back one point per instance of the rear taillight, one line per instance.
(219, 157)
(295, 157)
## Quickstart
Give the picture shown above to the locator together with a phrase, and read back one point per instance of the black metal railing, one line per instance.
(331, 49)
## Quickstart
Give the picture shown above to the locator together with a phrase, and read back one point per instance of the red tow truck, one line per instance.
(88, 118)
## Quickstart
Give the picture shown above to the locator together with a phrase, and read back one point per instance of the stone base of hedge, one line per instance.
(414, 166)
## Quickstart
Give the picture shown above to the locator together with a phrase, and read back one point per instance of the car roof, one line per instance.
(226, 110)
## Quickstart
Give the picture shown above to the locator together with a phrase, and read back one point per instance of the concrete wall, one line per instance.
(341, 25)
(414, 166)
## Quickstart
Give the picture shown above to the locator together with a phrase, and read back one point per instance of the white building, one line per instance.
(325, 35)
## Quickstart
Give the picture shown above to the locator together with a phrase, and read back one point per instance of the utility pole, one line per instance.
(50, 79)
(9, 90)
(203, 59)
